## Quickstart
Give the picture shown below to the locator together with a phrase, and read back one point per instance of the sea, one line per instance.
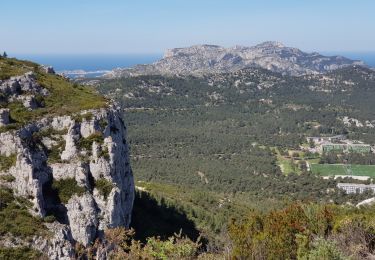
(79, 65)
(96, 65)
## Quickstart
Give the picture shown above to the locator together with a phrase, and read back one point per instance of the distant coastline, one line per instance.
(367, 57)
(96, 65)
(83, 65)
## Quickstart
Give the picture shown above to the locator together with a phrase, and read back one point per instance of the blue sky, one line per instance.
(151, 26)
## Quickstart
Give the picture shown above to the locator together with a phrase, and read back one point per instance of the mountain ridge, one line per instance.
(205, 58)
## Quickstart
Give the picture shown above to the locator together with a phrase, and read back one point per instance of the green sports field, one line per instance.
(339, 169)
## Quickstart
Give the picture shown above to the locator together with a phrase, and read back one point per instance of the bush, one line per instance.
(6, 162)
(277, 235)
(104, 187)
(19, 253)
(325, 250)
(86, 143)
(104, 153)
(49, 219)
(7, 178)
(54, 153)
(175, 247)
(15, 217)
(66, 188)
(80, 117)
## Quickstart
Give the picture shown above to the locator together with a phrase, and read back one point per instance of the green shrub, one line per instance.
(54, 153)
(103, 123)
(86, 143)
(6, 196)
(104, 153)
(80, 117)
(6, 162)
(19, 253)
(104, 187)
(48, 132)
(66, 188)
(15, 217)
(325, 250)
(175, 247)
(49, 219)
(7, 178)
(9, 127)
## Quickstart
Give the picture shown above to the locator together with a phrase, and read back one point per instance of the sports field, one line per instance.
(339, 169)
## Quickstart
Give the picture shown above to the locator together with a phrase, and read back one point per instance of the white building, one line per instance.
(354, 187)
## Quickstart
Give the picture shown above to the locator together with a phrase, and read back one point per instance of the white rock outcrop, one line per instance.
(89, 151)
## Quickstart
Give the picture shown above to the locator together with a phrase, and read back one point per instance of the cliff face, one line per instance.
(73, 168)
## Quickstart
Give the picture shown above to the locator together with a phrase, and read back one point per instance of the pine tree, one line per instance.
(5, 55)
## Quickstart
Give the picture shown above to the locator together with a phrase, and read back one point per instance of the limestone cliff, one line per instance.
(72, 165)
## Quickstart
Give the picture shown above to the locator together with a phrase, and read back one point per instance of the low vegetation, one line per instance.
(65, 98)
(305, 231)
(7, 178)
(15, 218)
(66, 188)
(20, 253)
(54, 153)
(55, 136)
(298, 231)
(86, 143)
(104, 187)
(6, 162)
(10, 67)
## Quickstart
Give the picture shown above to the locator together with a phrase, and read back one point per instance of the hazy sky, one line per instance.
(151, 26)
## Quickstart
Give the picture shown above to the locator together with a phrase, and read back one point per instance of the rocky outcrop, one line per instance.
(88, 149)
(23, 89)
(203, 59)
(4, 116)
(48, 69)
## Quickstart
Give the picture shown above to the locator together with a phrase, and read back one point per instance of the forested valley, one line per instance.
(210, 144)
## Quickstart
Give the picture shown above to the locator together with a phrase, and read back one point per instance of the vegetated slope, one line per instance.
(221, 133)
(65, 175)
(203, 59)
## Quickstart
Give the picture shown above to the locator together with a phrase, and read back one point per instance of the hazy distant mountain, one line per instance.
(274, 56)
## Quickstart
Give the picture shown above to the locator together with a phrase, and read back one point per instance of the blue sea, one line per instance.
(97, 65)
(367, 57)
(90, 65)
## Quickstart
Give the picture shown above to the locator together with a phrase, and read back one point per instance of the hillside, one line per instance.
(203, 59)
(65, 175)
(214, 143)
(232, 135)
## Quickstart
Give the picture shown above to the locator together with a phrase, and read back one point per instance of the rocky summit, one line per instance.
(202, 59)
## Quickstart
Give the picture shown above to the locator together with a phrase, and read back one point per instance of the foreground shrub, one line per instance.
(325, 250)
(176, 247)
(19, 253)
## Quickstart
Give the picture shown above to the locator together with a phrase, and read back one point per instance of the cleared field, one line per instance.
(339, 169)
